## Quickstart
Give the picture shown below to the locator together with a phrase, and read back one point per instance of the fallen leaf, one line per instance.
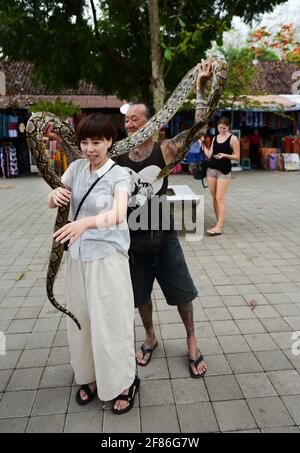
(19, 276)
(30, 268)
(253, 304)
(7, 186)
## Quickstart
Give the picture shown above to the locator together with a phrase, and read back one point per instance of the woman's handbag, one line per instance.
(200, 171)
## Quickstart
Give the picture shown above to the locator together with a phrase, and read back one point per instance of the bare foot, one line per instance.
(192, 353)
(120, 404)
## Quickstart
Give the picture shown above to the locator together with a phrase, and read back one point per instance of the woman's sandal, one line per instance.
(91, 395)
(213, 233)
(195, 362)
(133, 389)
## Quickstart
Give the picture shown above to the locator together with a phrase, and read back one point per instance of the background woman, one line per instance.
(225, 147)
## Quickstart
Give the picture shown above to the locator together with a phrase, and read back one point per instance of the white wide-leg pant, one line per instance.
(99, 294)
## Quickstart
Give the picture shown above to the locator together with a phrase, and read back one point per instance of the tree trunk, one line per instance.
(157, 60)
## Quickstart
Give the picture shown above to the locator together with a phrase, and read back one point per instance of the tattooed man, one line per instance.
(166, 263)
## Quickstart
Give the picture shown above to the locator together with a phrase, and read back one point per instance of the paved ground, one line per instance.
(253, 383)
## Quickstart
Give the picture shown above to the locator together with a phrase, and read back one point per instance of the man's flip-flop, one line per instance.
(195, 363)
(146, 350)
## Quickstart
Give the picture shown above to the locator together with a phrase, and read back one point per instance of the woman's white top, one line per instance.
(96, 244)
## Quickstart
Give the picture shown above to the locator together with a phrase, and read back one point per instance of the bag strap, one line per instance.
(90, 189)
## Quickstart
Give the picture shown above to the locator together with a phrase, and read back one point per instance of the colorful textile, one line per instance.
(8, 160)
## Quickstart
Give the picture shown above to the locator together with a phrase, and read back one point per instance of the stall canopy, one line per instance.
(84, 102)
(273, 102)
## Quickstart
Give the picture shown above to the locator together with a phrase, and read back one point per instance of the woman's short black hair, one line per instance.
(96, 126)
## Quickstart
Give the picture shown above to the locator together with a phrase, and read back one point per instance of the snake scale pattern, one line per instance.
(35, 132)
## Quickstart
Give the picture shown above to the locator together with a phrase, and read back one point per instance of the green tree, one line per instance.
(107, 42)
(58, 107)
(241, 76)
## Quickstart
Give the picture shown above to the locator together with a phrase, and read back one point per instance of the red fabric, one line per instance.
(255, 139)
(289, 144)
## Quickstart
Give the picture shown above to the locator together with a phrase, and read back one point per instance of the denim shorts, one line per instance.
(217, 174)
(168, 267)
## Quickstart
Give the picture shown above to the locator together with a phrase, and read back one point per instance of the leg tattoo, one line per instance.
(186, 314)
(146, 311)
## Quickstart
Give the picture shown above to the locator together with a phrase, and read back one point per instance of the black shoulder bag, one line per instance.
(201, 167)
(200, 171)
(66, 244)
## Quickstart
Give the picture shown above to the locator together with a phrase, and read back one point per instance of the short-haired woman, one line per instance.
(99, 290)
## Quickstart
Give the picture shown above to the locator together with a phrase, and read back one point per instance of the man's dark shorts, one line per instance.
(168, 266)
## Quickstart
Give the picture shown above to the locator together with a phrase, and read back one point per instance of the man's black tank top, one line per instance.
(156, 158)
(223, 165)
(151, 165)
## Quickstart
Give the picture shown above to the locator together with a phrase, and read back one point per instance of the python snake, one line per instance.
(37, 123)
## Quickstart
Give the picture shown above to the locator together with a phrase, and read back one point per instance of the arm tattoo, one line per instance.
(175, 143)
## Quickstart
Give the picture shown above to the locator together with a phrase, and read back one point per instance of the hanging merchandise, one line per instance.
(273, 161)
(291, 144)
(4, 126)
(298, 125)
(262, 119)
(12, 126)
(265, 154)
(58, 160)
(249, 119)
(256, 119)
(288, 144)
(291, 161)
(8, 159)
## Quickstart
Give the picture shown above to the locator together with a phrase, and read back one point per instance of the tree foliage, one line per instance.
(241, 76)
(58, 107)
(282, 40)
(107, 42)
